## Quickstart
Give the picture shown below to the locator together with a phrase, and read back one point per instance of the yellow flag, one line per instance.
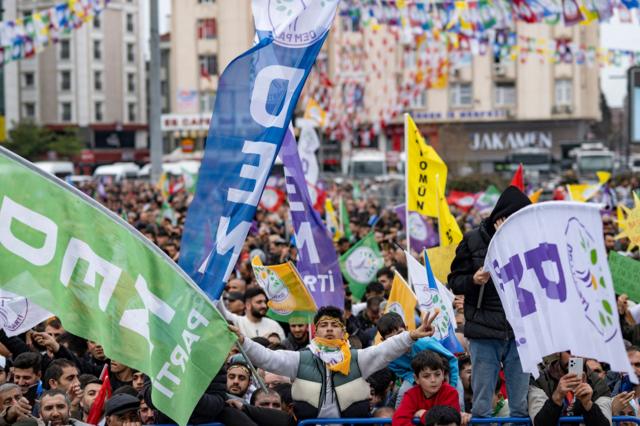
(163, 185)
(535, 196)
(402, 301)
(582, 191)
(3, 129)
(423, 165)
(285, 289)
(603, 177)
(332, 220)
(440, 259)
(450, 233)
(314, 112)
(589, 15)
(620, 216)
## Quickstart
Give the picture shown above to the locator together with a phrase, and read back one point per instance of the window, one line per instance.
(130, 22)
(97, 24)
(419, 100)
(65, 50)
(460, 94)
(29, 110)
(28, 80)
(207, 29)
(97, 81)
(65, 81)
(98, 111)
(505, 94)
(65, 113)
(208, 65)
(131, 82)
(130, 52)
(97, 50)
(564, 92)
(131, 112)
(207, 98)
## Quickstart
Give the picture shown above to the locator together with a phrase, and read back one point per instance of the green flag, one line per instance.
(167, 212)
(489, 198)
(625, 272)
(345, 224)
(106, 283)
(361, 263)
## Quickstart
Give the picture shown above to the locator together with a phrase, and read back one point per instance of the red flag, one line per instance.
(463, 200)
(95, 414)
(272, 199)
(518, 179)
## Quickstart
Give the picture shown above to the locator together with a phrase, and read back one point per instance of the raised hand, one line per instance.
(425, 329)
(567, 383)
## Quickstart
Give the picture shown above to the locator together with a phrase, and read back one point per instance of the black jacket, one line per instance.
(291, 344)
(209, 408)
(489, 320)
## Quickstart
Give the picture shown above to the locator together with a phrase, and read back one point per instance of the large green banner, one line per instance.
(107, 283)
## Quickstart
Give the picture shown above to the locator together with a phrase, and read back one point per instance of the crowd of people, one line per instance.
(333, 367)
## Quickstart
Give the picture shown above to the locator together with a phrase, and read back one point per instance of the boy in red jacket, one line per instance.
(430, 390)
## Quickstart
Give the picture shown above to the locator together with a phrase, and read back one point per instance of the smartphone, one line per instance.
(576, 366)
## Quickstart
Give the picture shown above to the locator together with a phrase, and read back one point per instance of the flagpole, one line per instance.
(438, 207)
(406, 181)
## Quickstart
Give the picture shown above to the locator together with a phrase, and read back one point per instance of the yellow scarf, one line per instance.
(336, 353)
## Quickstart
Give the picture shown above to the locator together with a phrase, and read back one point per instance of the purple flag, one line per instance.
(317, 258)
(423, 233)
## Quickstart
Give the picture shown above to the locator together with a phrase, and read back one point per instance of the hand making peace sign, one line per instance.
(425, 329)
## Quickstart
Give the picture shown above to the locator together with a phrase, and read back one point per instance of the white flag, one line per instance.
(18, 314)
(549, 266)
(308, 144)
(429, 298)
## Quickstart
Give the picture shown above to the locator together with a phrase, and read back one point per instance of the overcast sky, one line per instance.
(612, 35)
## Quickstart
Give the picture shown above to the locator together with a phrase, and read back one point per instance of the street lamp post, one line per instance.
(155, 95)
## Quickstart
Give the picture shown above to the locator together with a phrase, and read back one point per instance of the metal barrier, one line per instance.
(495, 420)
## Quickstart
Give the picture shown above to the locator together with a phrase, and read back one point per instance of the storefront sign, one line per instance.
(495, 141)
(178, 122)
(459, 115)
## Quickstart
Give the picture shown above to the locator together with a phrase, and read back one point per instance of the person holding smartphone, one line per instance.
(626, 400)
(566, 387)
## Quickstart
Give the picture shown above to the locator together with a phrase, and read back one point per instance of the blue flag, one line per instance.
(257, 94)
(445, 322)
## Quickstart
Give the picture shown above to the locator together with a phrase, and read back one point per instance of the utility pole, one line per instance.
(155, 95)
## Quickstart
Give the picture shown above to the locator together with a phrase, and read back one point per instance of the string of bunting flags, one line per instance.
(26, 36)
(437, 38)
(421, 16)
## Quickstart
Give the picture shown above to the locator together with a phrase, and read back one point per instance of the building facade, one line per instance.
(480, 110)
(93, 79)
(205, 36)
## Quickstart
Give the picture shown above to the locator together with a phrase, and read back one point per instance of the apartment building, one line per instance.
(93, 79)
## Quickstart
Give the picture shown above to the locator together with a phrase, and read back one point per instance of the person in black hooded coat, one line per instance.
(490, 336)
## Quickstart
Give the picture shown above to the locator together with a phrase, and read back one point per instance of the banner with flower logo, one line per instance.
(549, 265)
(285, 290)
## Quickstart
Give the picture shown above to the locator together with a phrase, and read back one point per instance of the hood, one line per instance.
(510, 201)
